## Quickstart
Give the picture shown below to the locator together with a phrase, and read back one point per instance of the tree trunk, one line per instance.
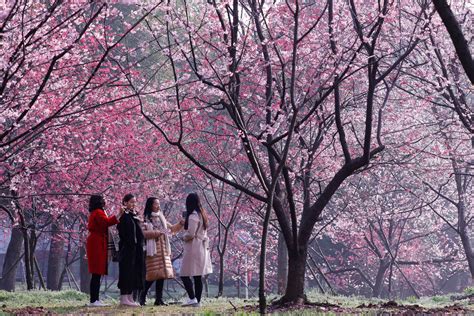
(466, 242)
(296, 276)
(85, 276)
(383, 266)
(262, 299)
(28, 260)
(63, 274)
(459, 40)
(220, 290)
(462, 216)
(55, 259)
(40, 274)
(237, 283)
(206, 285)
(282, 264)
(12, 259)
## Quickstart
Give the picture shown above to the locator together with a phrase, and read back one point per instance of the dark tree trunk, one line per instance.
(262, 299)
(383, 266)
(85, 276)
(12, 259)
(55, 259)
(28, 261)
(282, 269)
(462, 215)
(206, 285)
(466, 243)
(220, 290)
(237, 282)
(296, 276)
(40, 274)
(459, 40)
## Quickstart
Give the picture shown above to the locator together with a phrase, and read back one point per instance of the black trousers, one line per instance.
(158, 289)
(95, 287)
(188, 285)
(136, 295)
(125, 291)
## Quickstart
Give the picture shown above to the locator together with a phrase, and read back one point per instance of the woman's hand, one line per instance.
(121, 211)
(187, 238)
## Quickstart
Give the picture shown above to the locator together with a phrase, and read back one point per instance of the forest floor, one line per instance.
(73, 302)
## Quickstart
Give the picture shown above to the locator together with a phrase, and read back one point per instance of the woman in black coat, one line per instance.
(131, 263)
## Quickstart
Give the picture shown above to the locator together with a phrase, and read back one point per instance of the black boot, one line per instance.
(142, 298)
(159, 302)
(159, 293)
(144, 292)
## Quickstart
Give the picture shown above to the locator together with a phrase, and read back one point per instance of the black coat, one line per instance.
(131, 265)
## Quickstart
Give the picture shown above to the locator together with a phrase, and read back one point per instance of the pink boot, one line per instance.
(132, 302)
(125, 301)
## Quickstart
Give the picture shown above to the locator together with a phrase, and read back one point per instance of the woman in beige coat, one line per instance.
(196, 256)
(158, 251)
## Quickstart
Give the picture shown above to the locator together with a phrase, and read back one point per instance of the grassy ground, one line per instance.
(73, 302)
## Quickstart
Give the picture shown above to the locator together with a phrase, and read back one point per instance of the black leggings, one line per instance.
(95, 287)
(158, 291)
(188, 285)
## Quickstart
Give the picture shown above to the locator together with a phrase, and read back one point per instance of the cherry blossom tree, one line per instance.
(266, 86)
(334, 127)
(56, 65)
(385, 239)
(437, 75)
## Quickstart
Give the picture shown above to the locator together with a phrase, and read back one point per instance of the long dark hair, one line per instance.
(96, 202)
(149, 207)
(127, 198)
(193, 203)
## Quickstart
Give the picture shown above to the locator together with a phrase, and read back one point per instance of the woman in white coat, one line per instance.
(196, 256)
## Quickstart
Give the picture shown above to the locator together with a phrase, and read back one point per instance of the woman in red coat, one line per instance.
(96, 245)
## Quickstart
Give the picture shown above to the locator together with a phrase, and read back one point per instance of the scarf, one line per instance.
(158, 222)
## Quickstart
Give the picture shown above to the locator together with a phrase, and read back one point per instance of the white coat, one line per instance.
(196, 255)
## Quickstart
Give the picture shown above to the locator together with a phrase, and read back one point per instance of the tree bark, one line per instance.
(466, 243)
(85, 276)
(383, 266)
(220, 290)
(462, 223)
(40, 274)
(296, 276)
(457, 37)
(206, 285)
(262, 300)
(28, 260)
(12, 259)
(55, 259)
(282, 269)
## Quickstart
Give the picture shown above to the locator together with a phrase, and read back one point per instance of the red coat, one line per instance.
(96, 245)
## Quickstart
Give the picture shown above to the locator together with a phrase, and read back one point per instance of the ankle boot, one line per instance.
(124, 300)
(142, 300)
(159, 302)
(131, 301)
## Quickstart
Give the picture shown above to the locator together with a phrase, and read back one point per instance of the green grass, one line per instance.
(344, 301)
(38, 298)
(469, 290)
(73, 302)
(60, 301)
